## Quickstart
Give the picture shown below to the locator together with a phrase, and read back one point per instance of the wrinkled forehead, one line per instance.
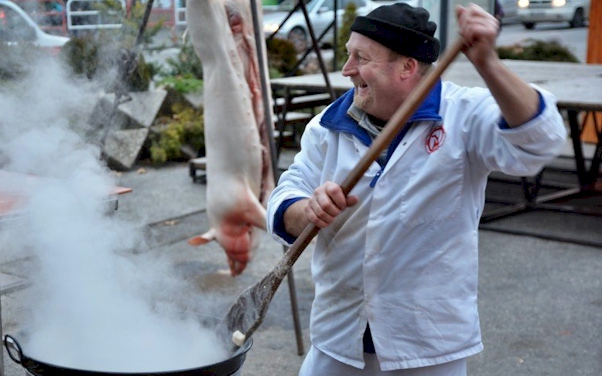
(360, 43)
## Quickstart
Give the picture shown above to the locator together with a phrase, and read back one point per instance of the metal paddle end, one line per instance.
(248, 312)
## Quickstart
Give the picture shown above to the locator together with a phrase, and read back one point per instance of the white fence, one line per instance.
(180, 12)
(87, 15)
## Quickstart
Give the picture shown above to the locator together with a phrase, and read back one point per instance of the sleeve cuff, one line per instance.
(278, 227)
(542, 106)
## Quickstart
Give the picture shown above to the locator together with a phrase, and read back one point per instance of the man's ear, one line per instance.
(408, 67)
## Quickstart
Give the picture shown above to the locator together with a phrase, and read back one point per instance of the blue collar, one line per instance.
(336, 118)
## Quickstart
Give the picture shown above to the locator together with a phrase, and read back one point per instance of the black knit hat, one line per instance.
(402, 28)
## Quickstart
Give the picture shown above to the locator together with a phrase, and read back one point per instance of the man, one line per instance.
(395, 262)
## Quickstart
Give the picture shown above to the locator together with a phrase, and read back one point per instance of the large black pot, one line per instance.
(35, 367)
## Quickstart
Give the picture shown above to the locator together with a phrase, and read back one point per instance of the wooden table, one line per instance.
(578, 88)
(566, 80)
(14, 187)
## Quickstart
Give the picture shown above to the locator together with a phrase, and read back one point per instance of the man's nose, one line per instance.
(349, 68)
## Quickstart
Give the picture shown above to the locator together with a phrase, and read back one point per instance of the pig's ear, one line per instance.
(202, 239)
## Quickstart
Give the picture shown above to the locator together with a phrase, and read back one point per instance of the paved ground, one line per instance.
(540, 299)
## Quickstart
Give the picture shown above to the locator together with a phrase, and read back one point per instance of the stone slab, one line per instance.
(122, 147)
(144, 106)
(196, 99)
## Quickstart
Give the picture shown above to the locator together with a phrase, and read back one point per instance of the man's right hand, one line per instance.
(327, 202)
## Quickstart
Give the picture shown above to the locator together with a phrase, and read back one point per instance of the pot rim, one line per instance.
(37, 367)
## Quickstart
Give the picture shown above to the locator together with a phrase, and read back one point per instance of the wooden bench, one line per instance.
(295, 120)
(197, 168)
(301, 102)
(289, 131)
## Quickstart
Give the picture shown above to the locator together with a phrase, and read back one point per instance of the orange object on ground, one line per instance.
(594, 56)
(11, 192)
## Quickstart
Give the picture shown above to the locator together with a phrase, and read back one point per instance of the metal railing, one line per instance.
(67, 16)
(87, 15)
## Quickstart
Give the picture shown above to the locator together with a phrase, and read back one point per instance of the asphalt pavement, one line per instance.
(540, 299)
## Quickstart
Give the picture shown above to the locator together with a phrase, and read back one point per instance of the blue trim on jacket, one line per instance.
(503, 124)
(279, 220)
(337, 119)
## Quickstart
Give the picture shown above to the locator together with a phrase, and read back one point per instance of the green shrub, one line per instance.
(184, 73)
(81, 54)
(141, 77)
(97, 54)
(282, 57)
(539, 50)
(184, 127)
(91, 57)
(182, 84)
(186, 64)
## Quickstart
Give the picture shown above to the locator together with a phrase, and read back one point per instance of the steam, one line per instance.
(92, 306)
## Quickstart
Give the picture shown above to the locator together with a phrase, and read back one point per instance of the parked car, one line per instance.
(17, 28)
(575, 12)
(321, 15)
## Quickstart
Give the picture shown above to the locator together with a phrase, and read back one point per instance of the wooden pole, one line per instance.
(267, 109)
(594, 39)
(594, 56)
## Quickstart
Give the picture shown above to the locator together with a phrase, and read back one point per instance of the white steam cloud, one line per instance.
(92, 307)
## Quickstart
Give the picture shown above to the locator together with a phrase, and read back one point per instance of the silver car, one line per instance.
(575, 12)
(321, 15)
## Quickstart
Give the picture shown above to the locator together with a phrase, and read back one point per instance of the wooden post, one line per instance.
(594, 39)
(594, 56)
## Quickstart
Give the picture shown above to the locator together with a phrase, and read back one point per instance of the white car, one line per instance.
(17, 27)
(321, 14)
(575, 12)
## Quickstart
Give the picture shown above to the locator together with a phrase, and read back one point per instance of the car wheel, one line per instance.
(529, 25)
(578, 19)
(298, 37)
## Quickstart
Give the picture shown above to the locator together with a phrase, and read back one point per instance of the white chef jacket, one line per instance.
(405, 258)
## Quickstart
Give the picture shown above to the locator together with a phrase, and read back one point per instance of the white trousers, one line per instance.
(317, 363)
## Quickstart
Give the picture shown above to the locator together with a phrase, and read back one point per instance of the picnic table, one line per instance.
(14, 187)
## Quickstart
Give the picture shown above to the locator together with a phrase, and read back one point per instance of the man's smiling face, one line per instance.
(375, 72)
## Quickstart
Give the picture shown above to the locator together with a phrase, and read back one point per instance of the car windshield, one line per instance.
(288, 5)
(13, 27)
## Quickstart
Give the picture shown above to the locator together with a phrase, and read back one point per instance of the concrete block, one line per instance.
(196, 99)
(102, 117)
(122, 147)
(144, 106)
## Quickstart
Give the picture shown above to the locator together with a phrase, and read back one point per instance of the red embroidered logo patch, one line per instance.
(435, 139)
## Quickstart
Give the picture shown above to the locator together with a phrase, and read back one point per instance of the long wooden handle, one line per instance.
(392, 128)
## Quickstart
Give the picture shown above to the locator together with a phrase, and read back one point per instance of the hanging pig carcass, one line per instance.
(239, 167)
